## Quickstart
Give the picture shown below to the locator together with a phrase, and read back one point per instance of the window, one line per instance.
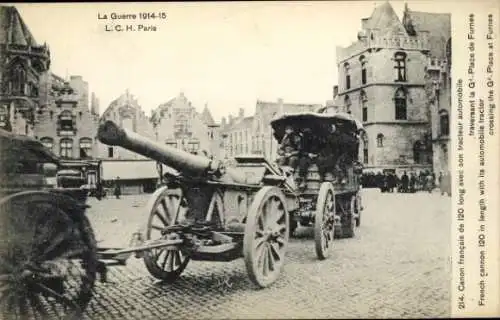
(347, 102)
(400, 66)
(193, 146)
(400, 104)
(66, 121)
(48, 143)
(364, 138)
(110, 152)
(364, 107)
(347, 76)
(18, 80)
(380, 140)
(418, 150)
(85, 148)
(66, 148)
(362, 60)
(444, 123)
(181, 125)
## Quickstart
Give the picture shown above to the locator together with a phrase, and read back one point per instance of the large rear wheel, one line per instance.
(166, 207)
(324, 230)
(48, 257)
(266, 236)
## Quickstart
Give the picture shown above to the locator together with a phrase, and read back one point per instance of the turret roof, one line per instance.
(13, 30)
(206, 116)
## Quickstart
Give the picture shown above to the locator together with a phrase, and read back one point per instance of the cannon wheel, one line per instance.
(165, 207)
(324, 229)
(266, 236)
(48, 263)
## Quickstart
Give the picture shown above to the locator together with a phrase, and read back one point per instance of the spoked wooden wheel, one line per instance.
(266, 236)
(47, 257)
(166, 207)
(324, 230)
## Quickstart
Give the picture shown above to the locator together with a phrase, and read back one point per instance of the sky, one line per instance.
(227, 55)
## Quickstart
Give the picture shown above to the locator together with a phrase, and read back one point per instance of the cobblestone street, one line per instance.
(396, 266)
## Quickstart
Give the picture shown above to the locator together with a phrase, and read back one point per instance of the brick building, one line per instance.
(178, 124)
(384, 80)
(22, 61)
(65, 123)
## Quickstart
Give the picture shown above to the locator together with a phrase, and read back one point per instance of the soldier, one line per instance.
(290, 148)
(404, 182)
(309, 154)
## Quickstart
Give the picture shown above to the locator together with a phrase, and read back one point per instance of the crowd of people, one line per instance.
(332, 152)
(389, 182)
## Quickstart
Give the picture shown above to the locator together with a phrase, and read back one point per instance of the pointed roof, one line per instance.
(384, 18)
(13, 30)
(438, 25)
(206, 116)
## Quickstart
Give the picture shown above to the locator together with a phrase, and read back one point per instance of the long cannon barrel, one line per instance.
(111, 134)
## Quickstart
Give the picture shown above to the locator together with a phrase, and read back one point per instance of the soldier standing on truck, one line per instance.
(290, 149)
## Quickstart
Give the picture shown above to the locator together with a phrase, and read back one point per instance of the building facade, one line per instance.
(383, 81)
(262, 140)
(237, 135)
(178, 124)
(65, 124)
(22, 61)
(127, 113)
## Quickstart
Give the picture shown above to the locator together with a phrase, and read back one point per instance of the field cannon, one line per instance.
(205, 211)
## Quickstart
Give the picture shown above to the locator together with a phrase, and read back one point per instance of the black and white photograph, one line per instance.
(249, 160)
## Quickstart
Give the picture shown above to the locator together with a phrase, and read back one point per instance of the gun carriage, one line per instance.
(201, 211)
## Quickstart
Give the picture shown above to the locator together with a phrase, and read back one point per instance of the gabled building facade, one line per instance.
(178, 124)
(383, 81)
(126, 112)
(22, 61)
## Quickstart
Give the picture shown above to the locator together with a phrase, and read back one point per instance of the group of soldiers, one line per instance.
(332, 152)
(406, 183)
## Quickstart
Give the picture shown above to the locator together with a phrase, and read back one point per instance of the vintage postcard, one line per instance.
(249, 160)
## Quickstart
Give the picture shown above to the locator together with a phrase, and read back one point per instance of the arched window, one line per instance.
(66, 148)
(18, 80)
(380, 140)
(448, 51)
(347, 102)
(362, 61)
(364, 108)
(444, 123)
(400, 104)
(364, 138)
(85, 148)
(48, 143)
(347, 70)
(400, 66)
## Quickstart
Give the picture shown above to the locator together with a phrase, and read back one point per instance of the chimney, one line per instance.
(335, 91)
(241, 113)
(223, 121)
(230, 119)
